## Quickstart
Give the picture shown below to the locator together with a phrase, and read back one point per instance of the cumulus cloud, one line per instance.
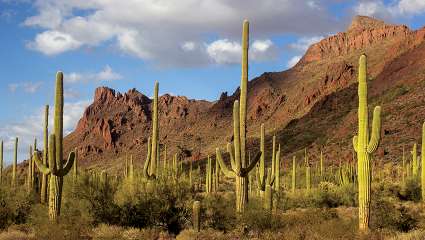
(225, 51)
(53, 42)
(32, 127)
(394, 9)
(169, 32)
(106, 74)
(28, 87)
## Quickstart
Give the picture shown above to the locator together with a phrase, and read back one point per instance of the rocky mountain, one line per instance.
(310, 105)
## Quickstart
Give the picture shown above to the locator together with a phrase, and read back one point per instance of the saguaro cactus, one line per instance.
(196, 216)
(1, 162)
(208, 176)
(240, 168)
(15, 163)
(423, 162)
(294, 174)
(365, 145)
(415, 164)
(43, 190)
(56, 168)
(150, 170)
(321, 165)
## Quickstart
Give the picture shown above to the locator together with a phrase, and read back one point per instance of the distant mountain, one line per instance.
(311, 105)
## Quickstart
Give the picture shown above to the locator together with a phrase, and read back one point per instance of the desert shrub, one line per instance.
(388, 215)
(189, 234)
(16, 234)
(413, 235)
(411, 191)
(15, 206)
(256, 219)
(327, 195)
(217, 213)
(107, 232)
(100, 201)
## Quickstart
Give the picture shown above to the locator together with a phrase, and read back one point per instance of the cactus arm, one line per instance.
(376, 130)
(223, 167)
(251, 164)
(236, 137)
(68, 165)
(355, 139)
(232, 159)
(148, 159)
(43, 168)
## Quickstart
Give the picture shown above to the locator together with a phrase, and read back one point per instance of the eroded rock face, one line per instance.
(362, 33)
(319, 90)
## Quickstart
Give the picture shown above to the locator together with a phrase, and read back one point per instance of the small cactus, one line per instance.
(1, 162)
(196, 216)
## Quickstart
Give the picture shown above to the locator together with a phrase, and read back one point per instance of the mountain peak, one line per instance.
(363, 32)
(361, 23)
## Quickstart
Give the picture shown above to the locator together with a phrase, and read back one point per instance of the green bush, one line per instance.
(217, 213)
(15, 206)
(388, 215)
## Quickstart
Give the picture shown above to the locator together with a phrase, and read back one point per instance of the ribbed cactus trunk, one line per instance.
(294, 174)
(1, 162)
(44, 177)
(403, 168)
(415, 164)
(365, 146)
(150, 169)
(261, 169)
(15, 163)
(196, 216)
(423, 163)
(321, 166)
(29, 175)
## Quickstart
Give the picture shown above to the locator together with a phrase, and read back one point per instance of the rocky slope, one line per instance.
(312, 104)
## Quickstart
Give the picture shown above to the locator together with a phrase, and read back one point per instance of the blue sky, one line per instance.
(192, 47)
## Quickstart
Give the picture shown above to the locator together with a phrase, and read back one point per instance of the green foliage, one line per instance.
(388, 215)
(15, 206)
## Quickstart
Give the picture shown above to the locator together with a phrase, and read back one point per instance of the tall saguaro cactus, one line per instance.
(43, 190)
(1, 162)
(294, 174)
(423, 162)
(15, 163)
(365, 145)
(240, 168)
(415, 164)
(56, 168)
(150, 170)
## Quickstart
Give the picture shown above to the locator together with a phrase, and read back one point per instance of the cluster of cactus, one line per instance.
(55, 168)
(240, 168)
(269, 181)
(15, 163)
(31, 169)
(365, 144)
(208, 176)
(346, 174)
(294, 174)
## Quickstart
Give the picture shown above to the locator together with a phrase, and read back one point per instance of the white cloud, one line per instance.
(302, 44)
(188, 46)
(394, 9)
(224, 51)
(106, 74)
(53, 42)
(32, 127)
(155, 30)
(294, 60)
(28, 87)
